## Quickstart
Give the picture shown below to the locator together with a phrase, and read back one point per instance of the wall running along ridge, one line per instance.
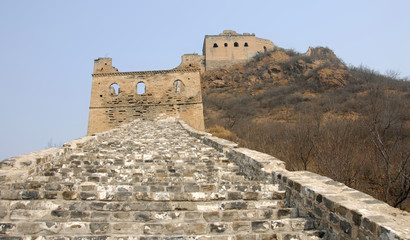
(342, 212)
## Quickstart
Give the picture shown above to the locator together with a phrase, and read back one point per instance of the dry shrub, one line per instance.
(221, 132)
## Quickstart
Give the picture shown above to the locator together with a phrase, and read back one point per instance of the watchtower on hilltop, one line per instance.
(230, 47)
(121, 97)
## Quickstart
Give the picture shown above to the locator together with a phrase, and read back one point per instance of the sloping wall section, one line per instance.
(340, 211)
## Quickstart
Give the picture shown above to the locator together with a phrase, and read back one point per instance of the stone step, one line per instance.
(295, 227)
(141, 205)
(98, 214)
(144, 186)
(103, 194)
(138, 175)
(149, 168)
(21, 189)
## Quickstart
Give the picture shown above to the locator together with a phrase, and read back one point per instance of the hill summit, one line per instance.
(312, 111)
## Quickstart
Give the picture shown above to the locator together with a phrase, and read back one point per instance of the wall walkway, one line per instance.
(164, 180)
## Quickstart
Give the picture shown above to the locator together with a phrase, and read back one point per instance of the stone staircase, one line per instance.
(150, 180)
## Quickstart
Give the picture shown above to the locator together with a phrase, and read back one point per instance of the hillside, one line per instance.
(317, 114)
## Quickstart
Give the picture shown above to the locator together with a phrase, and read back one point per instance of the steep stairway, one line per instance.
(150, 180)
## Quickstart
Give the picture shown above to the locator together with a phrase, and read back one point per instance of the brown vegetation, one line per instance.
(316, 114)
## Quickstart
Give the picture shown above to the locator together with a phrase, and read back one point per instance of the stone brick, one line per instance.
(154, 228)
(32, 194)
(247, 237)
(261, 226)
(195, 228)
(174, 228)
(241, 226)
(99, 228)
(79, 214)
(193, 215)
(100, 216)
(122, 215)
(88, 196)
(251, 196)
(234, 205)
(142, 216)
(284, 213)
(69, 195)
(123, 196)
(218, 227)
(369, 225)
(7, 228)
(268, 236)
(230, 216)
(60, 213)
(234, 195)
(346, 227)
(52, 187)
(211, 216)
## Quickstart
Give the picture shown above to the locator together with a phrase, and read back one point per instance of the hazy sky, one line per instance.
(47, 48)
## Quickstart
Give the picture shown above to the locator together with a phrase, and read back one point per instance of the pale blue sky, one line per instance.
(47, 48)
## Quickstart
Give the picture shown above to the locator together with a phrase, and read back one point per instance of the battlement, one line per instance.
(104, 65)
(121, 97)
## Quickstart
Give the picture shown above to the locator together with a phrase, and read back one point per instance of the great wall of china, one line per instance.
(145, 173)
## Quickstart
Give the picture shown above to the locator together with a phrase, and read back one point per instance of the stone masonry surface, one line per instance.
(121, 97)
(144, 180)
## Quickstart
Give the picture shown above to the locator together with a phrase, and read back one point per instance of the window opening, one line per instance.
(265, 49)
(114, 89)
(225, 44)
(140, 88)
(215, 45)
(236, 44)
(246, 44)
(178, 86)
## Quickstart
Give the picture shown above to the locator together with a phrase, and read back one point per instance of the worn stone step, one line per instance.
(152, 181)
(295, 228)
(103, 194)
(141, 205)
(143, 215)
(145, 186)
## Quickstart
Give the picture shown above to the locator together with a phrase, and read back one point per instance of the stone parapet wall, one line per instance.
(25, 166)
(343, 212)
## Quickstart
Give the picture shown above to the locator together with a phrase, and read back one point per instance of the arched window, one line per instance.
(178, 86)
(114, 89)
(215, 45)
(225, 44)
(246, 44)
(140, 88)
(236, 44)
